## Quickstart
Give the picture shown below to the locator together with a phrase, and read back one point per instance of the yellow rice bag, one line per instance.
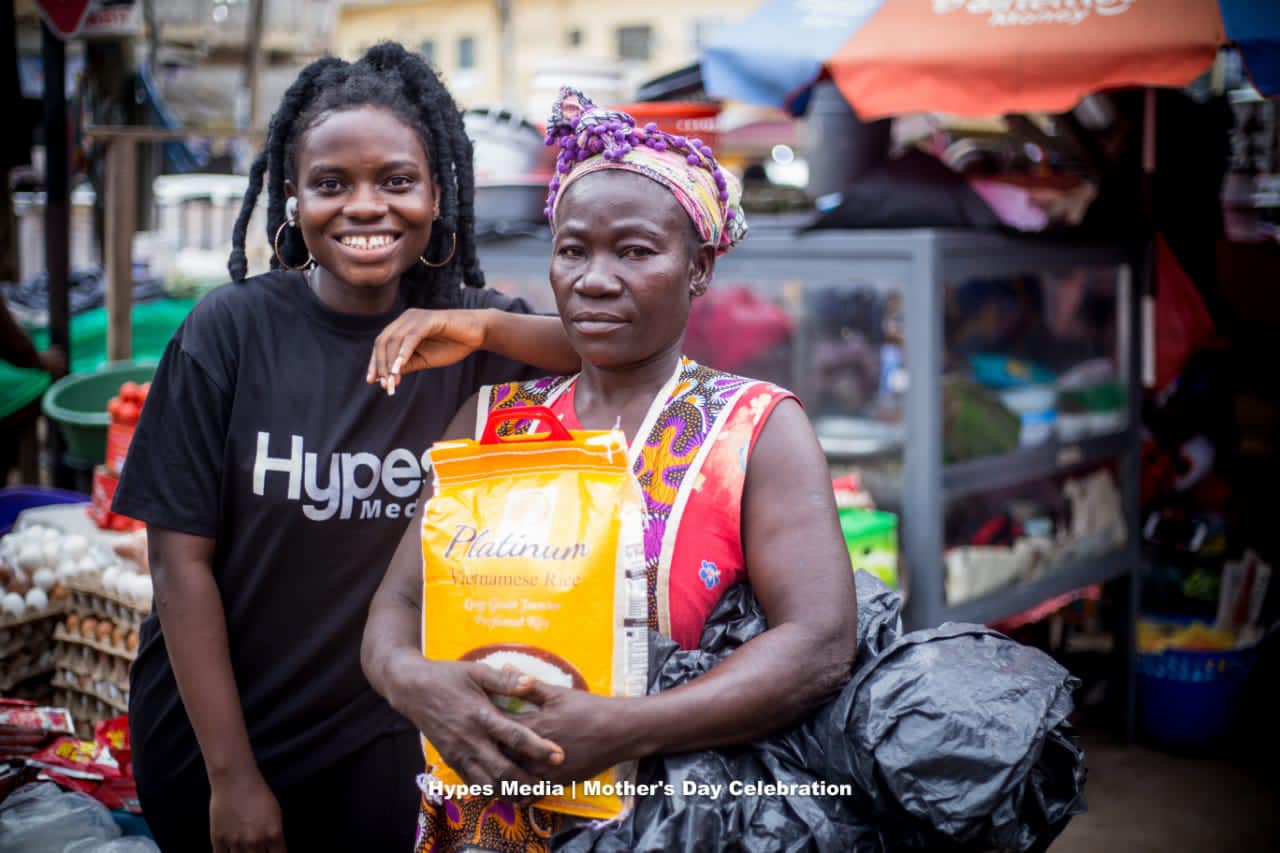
(533, 556)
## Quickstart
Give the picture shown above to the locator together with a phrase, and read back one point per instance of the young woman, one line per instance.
(276, 480)
(736, 485)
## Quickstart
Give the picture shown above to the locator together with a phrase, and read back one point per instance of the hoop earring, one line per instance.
(453, 245)
(307, 264)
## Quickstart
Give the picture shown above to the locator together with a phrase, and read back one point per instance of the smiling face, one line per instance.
(623, 264)
(366, 200)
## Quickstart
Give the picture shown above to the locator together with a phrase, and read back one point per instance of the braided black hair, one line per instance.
(390, 77)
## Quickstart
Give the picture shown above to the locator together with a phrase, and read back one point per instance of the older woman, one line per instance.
(736, 485)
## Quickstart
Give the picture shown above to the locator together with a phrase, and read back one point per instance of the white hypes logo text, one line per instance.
(345, 482)
(1010, 13)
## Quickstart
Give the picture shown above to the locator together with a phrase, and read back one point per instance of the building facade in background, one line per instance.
(609, 48)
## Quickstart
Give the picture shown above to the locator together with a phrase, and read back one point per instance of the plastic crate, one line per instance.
(15, 499)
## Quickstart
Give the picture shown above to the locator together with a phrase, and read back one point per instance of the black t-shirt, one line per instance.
(261, 433)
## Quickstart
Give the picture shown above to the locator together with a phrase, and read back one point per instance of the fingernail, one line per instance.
(556, 757)
(524, 682)
(395, 368)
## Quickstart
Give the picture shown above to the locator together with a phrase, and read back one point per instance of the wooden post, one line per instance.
(122, 215)
(506, 57)
(254, 62)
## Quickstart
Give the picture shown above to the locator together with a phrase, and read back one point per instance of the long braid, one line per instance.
(441, 159)
(238, 263)
(471, 273)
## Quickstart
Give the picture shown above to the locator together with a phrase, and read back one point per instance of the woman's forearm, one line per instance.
(195, 633)
(772, 681)
(391, 635)
(532, 339)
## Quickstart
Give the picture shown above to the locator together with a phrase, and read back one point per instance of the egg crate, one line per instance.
(73, 640)
(26, 668)
(31, 630)
(99, 690)
(94, 665)
(87, 711)
(84, 658)
(88, 598)
(9, 622)
(27, 648)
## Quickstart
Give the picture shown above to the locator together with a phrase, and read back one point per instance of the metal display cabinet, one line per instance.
(781, 266)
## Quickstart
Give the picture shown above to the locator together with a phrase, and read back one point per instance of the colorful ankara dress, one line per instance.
(690, 458)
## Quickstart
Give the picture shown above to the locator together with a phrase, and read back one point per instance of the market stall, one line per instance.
(74, 589)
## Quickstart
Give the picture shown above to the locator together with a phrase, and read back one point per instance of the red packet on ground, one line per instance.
(25, 728)
(79, 755)
(114, 734)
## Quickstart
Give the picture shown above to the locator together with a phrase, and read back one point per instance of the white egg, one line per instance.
(52, 551)
(74, 546)
(31, 557)
(129, 586)
(13, 603)
(111, 579)
(51, 534)
(37, 599)
(142, 591)
(86, 564)
(66, 569)
(44, 578)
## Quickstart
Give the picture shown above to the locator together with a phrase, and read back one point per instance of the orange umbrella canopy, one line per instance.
(968, 57)
(989, 57)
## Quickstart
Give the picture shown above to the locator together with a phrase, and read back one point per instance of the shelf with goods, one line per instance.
(1075, 575)
(931, 484)
(791, 306)
(1049, 459)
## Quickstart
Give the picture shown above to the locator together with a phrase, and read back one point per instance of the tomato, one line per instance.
(113, 407)
(128, 413)
(130, 391)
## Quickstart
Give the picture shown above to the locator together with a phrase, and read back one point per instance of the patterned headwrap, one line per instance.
(592, 139)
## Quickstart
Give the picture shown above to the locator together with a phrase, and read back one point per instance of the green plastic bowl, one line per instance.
(78, 405)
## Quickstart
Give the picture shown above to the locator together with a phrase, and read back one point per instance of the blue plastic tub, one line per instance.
(1189, 698)
(15, 499)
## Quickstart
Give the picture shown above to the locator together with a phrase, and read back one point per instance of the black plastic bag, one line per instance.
(949, 739)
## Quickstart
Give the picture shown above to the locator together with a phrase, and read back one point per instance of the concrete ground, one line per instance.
(1144, 801)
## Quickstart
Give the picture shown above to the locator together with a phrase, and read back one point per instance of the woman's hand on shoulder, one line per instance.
(449, 703)
(421, 338)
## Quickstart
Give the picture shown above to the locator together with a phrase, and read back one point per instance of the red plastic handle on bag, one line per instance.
(541, 414)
